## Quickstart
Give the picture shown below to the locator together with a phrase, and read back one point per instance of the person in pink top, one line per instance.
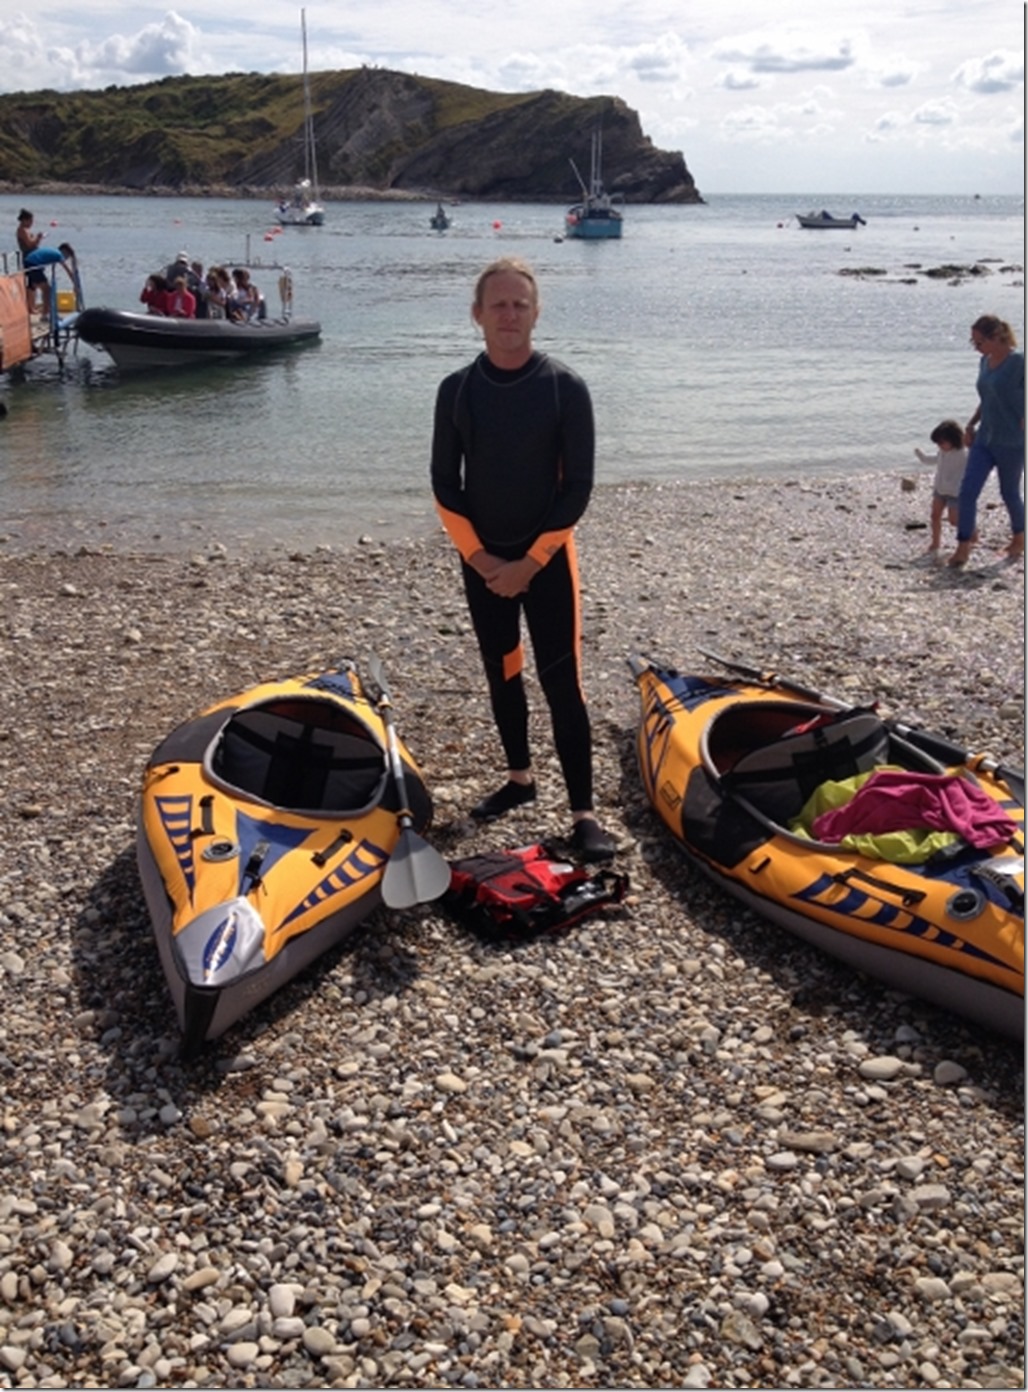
(181, 300)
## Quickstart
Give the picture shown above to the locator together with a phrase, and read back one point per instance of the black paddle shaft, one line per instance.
(415, 873)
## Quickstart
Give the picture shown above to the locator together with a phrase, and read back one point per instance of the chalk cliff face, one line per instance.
(387, 132)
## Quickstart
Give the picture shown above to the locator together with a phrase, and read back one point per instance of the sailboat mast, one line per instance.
(595, 177)
(310, 158)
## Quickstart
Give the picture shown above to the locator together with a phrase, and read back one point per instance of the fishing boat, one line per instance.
(598, 215)
(825, 219)
(141, 341)
(304, 208)
(267, 827)
(736, 764)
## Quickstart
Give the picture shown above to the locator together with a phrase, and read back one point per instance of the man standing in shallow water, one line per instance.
(512, 471)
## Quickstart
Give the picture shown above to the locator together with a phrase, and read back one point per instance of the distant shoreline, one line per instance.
(332, 193)
(341, 193)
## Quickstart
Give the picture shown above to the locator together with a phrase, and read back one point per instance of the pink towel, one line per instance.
(894, 800)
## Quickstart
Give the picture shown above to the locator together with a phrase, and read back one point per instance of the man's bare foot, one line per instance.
(960, 556)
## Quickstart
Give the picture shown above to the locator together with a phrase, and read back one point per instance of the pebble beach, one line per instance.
(672, 1147)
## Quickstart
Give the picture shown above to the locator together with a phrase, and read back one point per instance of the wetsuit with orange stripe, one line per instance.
(512, 470)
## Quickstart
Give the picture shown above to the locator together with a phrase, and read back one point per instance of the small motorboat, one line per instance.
(825, 219)
(733, 763)
(154, 340)
(268, 826)
(440, 219)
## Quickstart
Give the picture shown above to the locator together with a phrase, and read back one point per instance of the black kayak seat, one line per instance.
(300, 760)
(780, 771)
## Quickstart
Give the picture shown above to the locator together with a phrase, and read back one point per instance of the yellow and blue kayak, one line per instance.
(265, 826)
(732, 761)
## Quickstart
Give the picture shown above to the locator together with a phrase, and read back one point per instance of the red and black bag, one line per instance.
(527, 890)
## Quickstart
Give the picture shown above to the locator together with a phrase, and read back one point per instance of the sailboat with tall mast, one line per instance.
(304, 209)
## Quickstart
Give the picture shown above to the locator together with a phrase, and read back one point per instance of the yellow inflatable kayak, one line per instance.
(266, 825)
(733, 762)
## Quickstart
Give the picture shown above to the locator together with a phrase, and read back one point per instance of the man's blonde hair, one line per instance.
(505, 263)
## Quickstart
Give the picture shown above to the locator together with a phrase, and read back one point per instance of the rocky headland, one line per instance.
(376, 130)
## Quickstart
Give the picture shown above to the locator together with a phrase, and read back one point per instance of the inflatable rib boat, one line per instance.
(153, 340)
(265, 827)
(735, 763)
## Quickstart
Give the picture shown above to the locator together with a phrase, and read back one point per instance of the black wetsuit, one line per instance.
(512, 470)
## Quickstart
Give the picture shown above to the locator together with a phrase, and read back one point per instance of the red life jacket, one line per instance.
(527, 890)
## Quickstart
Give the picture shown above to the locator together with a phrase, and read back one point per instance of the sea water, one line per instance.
(718, 340)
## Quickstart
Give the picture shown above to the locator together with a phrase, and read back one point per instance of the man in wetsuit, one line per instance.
(512, 470)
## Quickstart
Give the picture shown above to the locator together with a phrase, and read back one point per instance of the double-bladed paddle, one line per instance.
(415, 873)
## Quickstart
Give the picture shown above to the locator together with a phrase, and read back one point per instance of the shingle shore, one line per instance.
(675, 1147)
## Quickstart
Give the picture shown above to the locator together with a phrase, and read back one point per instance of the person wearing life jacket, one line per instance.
(512, 471)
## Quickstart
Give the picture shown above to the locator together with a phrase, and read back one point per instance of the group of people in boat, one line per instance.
(183, 290)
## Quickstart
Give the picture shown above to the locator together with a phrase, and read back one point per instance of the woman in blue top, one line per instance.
(998, 441)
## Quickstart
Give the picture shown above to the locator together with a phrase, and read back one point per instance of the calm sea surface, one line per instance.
(718, 341)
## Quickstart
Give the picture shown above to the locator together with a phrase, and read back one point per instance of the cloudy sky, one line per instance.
(862, 96)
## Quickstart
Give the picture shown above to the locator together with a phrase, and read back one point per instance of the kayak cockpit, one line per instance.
(773, 755)
(308, 756)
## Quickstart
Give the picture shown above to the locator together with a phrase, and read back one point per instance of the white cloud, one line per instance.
(888, 122)
(737, 82)
(759, 124)
(999, 72)
(662, 61)
(789, 53)
(167, 47)
(21, 47)
(938, 113)
(900, 72)
(157, 50)
(803, 120)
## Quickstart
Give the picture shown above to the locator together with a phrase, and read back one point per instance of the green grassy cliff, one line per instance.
(386, 132)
